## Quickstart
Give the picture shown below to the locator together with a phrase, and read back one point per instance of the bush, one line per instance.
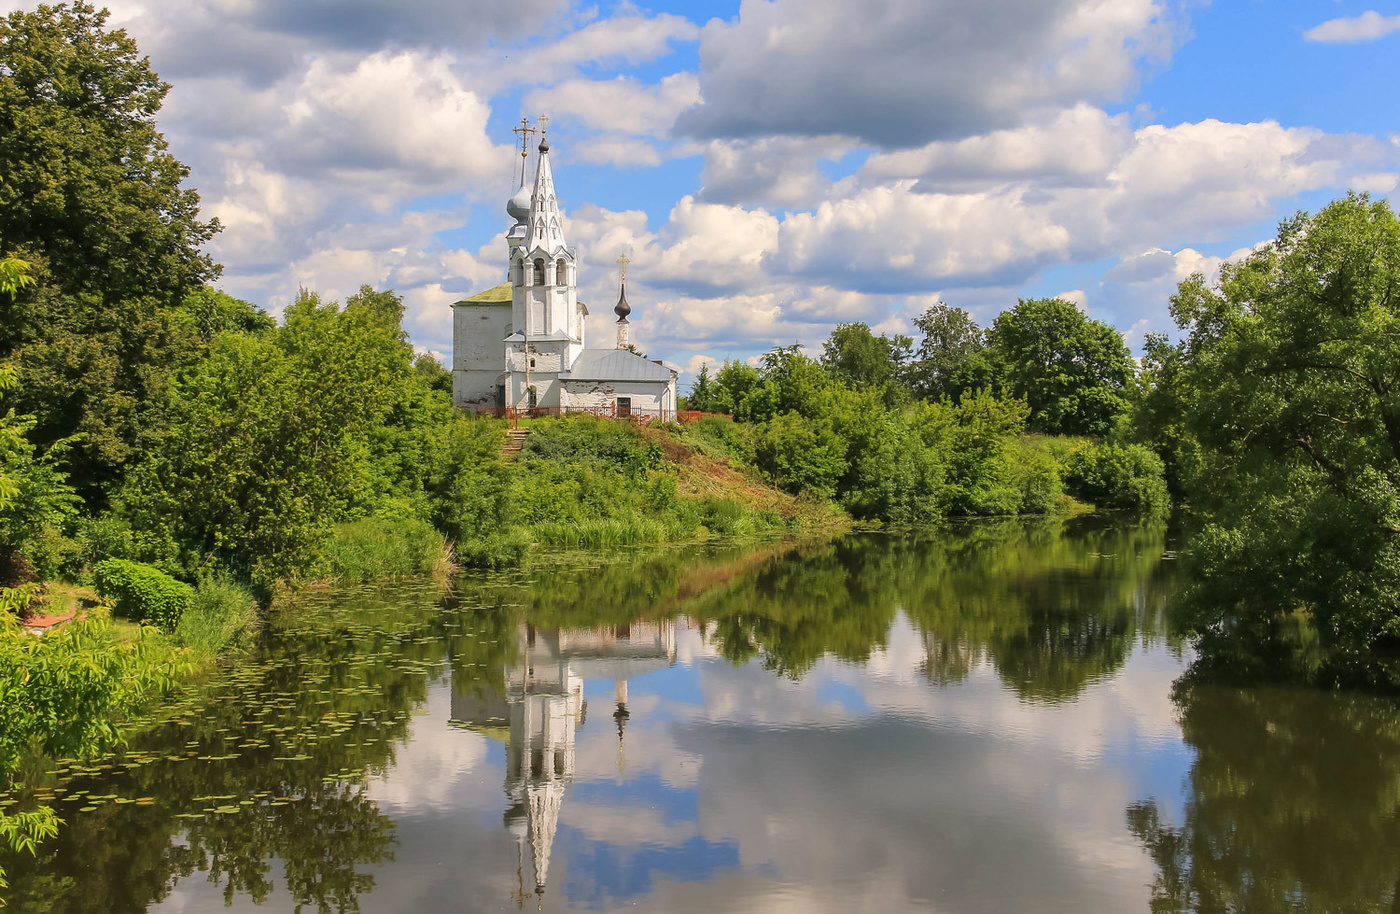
(221, 615)
(800, 454)
(143, 593)
(585, 439)
(1034, 475)
(377, 548)
(496, 550)
(1127, 476)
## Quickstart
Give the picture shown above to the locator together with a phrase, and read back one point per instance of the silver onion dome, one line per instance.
(519, 205)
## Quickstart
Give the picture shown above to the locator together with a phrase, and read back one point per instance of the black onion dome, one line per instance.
(623, 309)
(544, 145)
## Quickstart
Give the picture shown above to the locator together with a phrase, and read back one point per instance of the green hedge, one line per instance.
(143, 593)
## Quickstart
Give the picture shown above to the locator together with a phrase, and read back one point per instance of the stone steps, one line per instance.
(514, 443)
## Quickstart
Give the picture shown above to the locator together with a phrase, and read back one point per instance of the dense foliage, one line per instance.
(92, 198)
(1289, 374)
(859, 427)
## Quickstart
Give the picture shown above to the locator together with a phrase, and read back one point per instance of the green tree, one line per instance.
(944, 364)
(1071, 370)
(1293, 361)
(863, 361)
(736, 381)
(273, 438)
(91, 195)
(704, 393)
(1158, 412)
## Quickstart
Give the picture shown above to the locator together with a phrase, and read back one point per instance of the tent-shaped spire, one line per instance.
(545, 228)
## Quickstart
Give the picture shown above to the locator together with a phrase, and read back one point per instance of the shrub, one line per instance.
(800, 454)
(1110, 475)
(1034, 475)
(718, 438)
(496, 550)
(722, 515)
(143, 593)
(589, 440)
(221, 615)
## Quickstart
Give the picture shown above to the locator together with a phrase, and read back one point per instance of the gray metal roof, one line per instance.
(616, 365)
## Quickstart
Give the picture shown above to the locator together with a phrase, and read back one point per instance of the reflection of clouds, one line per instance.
(1137, 706)
(433, 764)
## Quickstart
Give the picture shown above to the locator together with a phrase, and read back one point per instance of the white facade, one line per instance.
(521, 344)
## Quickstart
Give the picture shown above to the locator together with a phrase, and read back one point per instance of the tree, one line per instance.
(275, 437)
(1159, 401)
(951, 339)
(704, 393)
(1072, 371)
(1293, 363)
(736, 381)
(90, 194)
(863, 361)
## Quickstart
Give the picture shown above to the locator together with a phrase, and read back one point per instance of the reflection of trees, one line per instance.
(1294, 805)
(325, 702)
(1053, 605)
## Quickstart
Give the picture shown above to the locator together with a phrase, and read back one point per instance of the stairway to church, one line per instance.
(515, 441)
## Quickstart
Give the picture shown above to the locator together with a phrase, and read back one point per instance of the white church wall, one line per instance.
(648, 397)
(477, 363)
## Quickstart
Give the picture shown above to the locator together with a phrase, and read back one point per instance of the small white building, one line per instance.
(521, 345)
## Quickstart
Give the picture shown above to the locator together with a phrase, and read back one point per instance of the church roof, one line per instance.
(616, 365)
(492, 296)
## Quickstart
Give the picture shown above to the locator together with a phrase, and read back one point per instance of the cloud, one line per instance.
(778, 171)
(622, 104)
(1369, 26)
(1076, 297)
(262, 41)
(888, 238)
(406, 112)
(1078, 147)
(1143, 267)
(900, 73)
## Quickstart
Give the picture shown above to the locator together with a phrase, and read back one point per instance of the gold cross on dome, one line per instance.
(524, 131)
(622, 263)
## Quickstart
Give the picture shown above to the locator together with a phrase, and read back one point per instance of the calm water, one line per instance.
(979, 720)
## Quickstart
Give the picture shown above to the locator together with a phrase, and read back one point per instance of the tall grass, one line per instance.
(221, 616)
(596, 533)
(376, 549)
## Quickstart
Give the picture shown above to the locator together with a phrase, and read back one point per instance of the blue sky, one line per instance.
(772, 167)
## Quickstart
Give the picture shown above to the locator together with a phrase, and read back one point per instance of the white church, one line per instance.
(521, 346)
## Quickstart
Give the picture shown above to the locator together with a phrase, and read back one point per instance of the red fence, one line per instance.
(635, 414)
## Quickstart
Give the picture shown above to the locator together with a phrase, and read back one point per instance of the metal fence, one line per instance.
(634, 414)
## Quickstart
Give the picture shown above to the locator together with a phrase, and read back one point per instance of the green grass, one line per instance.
(220, 617)
(380, 549)
(593, 534)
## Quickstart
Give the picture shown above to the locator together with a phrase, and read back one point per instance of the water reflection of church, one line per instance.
(542, 709)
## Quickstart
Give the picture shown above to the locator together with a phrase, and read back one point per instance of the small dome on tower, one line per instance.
(519, 206)
(623, 309)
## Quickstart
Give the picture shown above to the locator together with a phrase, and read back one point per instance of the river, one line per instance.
(977, 719)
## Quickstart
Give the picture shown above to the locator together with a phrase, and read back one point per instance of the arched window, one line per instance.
(539, 272)
(561, 273)
(519, 273)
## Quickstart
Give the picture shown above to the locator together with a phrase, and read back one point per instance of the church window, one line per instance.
(539, 272)
(561, 273)
(519, 273)
(532, 363)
